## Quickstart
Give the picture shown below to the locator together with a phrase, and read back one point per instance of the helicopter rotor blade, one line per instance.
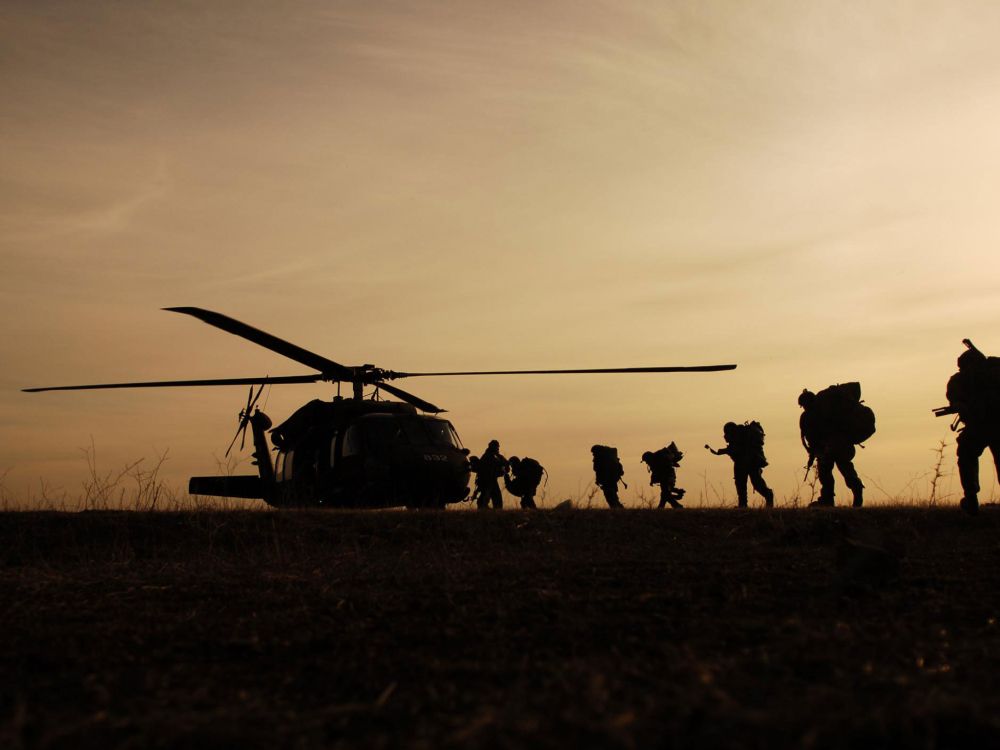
(246, 414)
(281, 379)
(241, 430)
(303, 356)
(256, 398)
(409, 398)
(592, 371)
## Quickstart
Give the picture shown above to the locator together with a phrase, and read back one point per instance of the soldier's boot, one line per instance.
(823, 501)
(769, 498)
(969, 504)
(857, 487)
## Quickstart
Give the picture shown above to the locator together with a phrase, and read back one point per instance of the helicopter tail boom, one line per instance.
(249, 487)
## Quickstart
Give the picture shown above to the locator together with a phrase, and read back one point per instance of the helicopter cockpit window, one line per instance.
(352, 442)
(440, 433)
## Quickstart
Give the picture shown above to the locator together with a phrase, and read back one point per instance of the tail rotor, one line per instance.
(245, 414)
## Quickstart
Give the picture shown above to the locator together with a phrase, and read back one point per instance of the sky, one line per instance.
(808, 190)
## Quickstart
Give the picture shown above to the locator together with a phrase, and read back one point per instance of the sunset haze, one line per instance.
(808, 190)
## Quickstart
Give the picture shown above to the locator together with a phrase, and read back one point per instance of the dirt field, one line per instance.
(548, 629)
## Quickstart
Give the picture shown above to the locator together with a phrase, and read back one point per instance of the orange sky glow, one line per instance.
(808, 190)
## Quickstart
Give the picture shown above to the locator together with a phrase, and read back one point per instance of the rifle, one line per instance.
(943, 411)
(812, 460)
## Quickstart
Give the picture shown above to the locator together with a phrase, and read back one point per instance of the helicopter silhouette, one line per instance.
(352, 452)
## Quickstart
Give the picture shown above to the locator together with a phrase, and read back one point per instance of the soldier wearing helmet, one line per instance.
(489, 468)
(974, 394)
(608, 472)
(825, 433)
(745, 446)
(663, 465)
(523, 480)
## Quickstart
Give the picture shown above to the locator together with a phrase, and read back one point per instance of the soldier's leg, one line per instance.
(528, 501)
(971, 444)
(497, 496)
(845, 463)
(740, 477)
(995, 450)
(757, 480)
(824, 470)
(482, 501)
(675, 498)
(611, 495)
(669, 495)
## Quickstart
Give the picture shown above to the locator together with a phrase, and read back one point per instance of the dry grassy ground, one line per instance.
(548, 629)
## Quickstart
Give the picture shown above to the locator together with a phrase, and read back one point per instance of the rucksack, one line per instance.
(661, 463)
(983, 387)
(530, 472)
(606, 463)
(841, 409)
(749, 439)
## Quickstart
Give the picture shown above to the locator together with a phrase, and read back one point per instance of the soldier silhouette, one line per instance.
(489, 468)
(478, 485)
(525, 476)
(974, 395)
(662, 465)
(745, 446)
(608, 472)
(832, 422)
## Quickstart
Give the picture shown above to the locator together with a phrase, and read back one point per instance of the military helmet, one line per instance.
(513, 461)
(729, 428)
(494, 444)
(806, 398)
(647, 457)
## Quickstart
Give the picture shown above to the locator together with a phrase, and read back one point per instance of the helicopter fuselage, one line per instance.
(352, 454)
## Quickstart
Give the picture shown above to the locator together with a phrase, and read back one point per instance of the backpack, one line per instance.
(749, 442)
(841, 409)
(661, 463)
(979, 389)
(606, 463)
(530, 472)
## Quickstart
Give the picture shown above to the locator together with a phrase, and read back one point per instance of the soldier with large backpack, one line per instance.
(525, 476)
(745, 445)
(833, 421)
(608, 471)
(489, 468)
(663, 465)
(974, 395)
